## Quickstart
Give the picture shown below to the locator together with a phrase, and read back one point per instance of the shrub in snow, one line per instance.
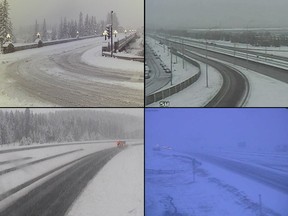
(25, 141)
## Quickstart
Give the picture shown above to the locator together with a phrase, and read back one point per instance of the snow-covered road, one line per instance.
(172, 190)
(57, 76)
(62, 170)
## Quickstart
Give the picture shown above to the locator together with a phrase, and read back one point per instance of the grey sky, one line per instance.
(189, 128)
(129, 12)
(216, 13)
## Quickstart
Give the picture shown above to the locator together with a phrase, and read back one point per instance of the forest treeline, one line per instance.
(26, 127)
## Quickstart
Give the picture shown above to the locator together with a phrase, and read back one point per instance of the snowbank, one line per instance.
(117, 189)
(94, 58)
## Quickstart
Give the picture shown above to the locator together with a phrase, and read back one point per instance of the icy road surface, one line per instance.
(58, 76)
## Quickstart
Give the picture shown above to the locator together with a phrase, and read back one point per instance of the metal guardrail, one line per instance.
(160, 95)
(48, 43)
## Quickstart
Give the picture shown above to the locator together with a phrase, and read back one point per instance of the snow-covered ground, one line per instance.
(15, 178)
(264, 91)
(171, 190)
(136, 48)
(243, 55)
(10, 95)
(179, 73)
(94, 57)
(118, 189)
(196, 95)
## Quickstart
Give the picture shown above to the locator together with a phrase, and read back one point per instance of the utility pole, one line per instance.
(111, 33)
(260, 205)
(183, 52)
(193, 164)
(171, 65)
(206, 64)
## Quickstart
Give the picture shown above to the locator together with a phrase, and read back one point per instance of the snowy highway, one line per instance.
(58, 76)
(56, 195)
(271, 178)
(265, 69)
(158, 78)
(234, 89)
(60, 172)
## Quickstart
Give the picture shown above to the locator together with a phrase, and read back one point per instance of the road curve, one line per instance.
(56, 195)
(270, 178)
(62, 79)
(158, 78)
(235, 87)
(268, 70)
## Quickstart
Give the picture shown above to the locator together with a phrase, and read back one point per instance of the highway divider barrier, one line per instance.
(40, 43)
(160, 95)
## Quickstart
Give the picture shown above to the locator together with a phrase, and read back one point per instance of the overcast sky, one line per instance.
(216, 13)
(129, 12)
(188, 128)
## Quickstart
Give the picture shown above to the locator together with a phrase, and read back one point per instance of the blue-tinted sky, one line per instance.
(191, 128)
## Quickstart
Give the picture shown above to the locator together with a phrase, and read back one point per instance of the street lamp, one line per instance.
(111, 33)
(105, 33)
(206, 63)
(115, 33)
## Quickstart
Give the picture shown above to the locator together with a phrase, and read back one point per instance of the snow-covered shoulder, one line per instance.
(94, 58)
(117, 190)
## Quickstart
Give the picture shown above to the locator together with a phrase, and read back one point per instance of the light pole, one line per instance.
(115, 33)
(111, 34)
(105, 33)
(8, 37)
(183, 52)
(206, 63)
(171, 65)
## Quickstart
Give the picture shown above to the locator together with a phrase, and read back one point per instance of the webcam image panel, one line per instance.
(216, 53)
(215, 162)
(70, 53)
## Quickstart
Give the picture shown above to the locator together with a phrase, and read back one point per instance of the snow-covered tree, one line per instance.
(44, 31)
(54, 33)
(6, 26)
(65, 28)
(36, 30)
(60, 31)
(81, 24)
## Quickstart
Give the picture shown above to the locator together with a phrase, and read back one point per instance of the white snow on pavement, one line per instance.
(117, 190)
(197, 95)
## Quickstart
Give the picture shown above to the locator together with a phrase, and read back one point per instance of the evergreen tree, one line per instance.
(65, 28)
(80, 24)
(44, 31)
(54, 33)
(5, 21)
(86, 26)
(60, 32)
(36, 30)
